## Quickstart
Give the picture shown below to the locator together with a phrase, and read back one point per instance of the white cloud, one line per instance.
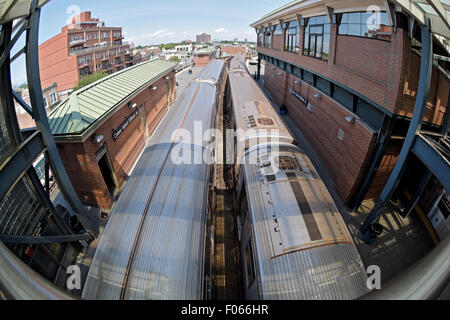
(157, 35)
(222, 30)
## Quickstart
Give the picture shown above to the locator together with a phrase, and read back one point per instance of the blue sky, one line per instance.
(152, 22)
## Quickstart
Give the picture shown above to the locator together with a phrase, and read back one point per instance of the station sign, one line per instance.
(117, 132)
(299, 96)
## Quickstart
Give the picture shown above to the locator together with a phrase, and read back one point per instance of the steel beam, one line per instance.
(417, 194)
(40, 116)
(433, 160)
(22, 103)
(42, 240)
(414, 127)
(19, 162)
(382, 145)
(446, 120)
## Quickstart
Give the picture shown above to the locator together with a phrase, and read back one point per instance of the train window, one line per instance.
(249, 264)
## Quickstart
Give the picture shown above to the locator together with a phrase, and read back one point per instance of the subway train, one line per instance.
(155, 244)
(293, 241)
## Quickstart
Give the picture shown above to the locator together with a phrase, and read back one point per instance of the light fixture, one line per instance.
(167, 78)
(132, 105)
(99, 138)
(154, 88)
(297, 82)
(280, 73)
(350, 119)
(318, 96)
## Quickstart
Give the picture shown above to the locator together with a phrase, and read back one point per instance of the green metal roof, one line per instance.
(84, 107)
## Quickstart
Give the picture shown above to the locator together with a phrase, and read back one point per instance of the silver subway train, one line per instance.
(154, 244)
(294, 243)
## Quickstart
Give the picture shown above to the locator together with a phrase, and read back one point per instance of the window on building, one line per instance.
(53, 97)
(364, 24)
(317, 37)
(278, 31)
(260, 38)
(249, 264)
(45, 102)
(267, 38)
(292, 38)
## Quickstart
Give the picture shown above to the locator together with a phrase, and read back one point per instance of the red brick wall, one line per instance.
(368, 66)
(231, 50)
(202, 60)
(55, 65)
(346, 160)
(384, 171)
(278, 42)
(439, 91)
(80, 160)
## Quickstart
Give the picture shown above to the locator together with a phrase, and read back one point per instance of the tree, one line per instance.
(168, 46)
(174, 59)
(91, 78)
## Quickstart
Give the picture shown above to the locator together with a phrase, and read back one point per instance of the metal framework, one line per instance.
(434, 155)
(17, 155)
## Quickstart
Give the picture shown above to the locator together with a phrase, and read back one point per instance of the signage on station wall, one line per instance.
(299, 96)
(117, 132)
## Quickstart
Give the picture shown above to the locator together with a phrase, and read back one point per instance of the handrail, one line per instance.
(19, 282)
(425, 280)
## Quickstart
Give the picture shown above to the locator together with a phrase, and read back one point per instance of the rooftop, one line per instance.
(76, 115)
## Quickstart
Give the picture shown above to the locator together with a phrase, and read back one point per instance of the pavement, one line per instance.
(404, 241)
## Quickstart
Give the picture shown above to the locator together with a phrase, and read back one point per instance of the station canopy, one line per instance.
(438, 11)
(15, 9)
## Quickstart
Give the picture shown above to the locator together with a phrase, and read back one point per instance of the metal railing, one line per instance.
(425, 280)
(19, 282)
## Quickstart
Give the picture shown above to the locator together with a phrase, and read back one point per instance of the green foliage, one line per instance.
(174, 59)
(168, 46)
(24, 86)
(91, 78)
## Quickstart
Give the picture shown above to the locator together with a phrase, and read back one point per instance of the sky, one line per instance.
(151, 22)
(146, 22)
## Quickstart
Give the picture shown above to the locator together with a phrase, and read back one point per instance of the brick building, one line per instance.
(81, 48)
(203, 57)
(204, 38)
(232, 50)
(350, 86)
(101, 129)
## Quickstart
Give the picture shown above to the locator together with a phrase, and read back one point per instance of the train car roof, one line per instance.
(168, 258)
(303, 246)
(252, 111)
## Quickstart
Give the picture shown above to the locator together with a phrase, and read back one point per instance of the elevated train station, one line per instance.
(365, 131)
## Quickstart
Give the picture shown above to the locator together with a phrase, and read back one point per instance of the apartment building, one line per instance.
(349, 80)
(203, 38)
(81, 48)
